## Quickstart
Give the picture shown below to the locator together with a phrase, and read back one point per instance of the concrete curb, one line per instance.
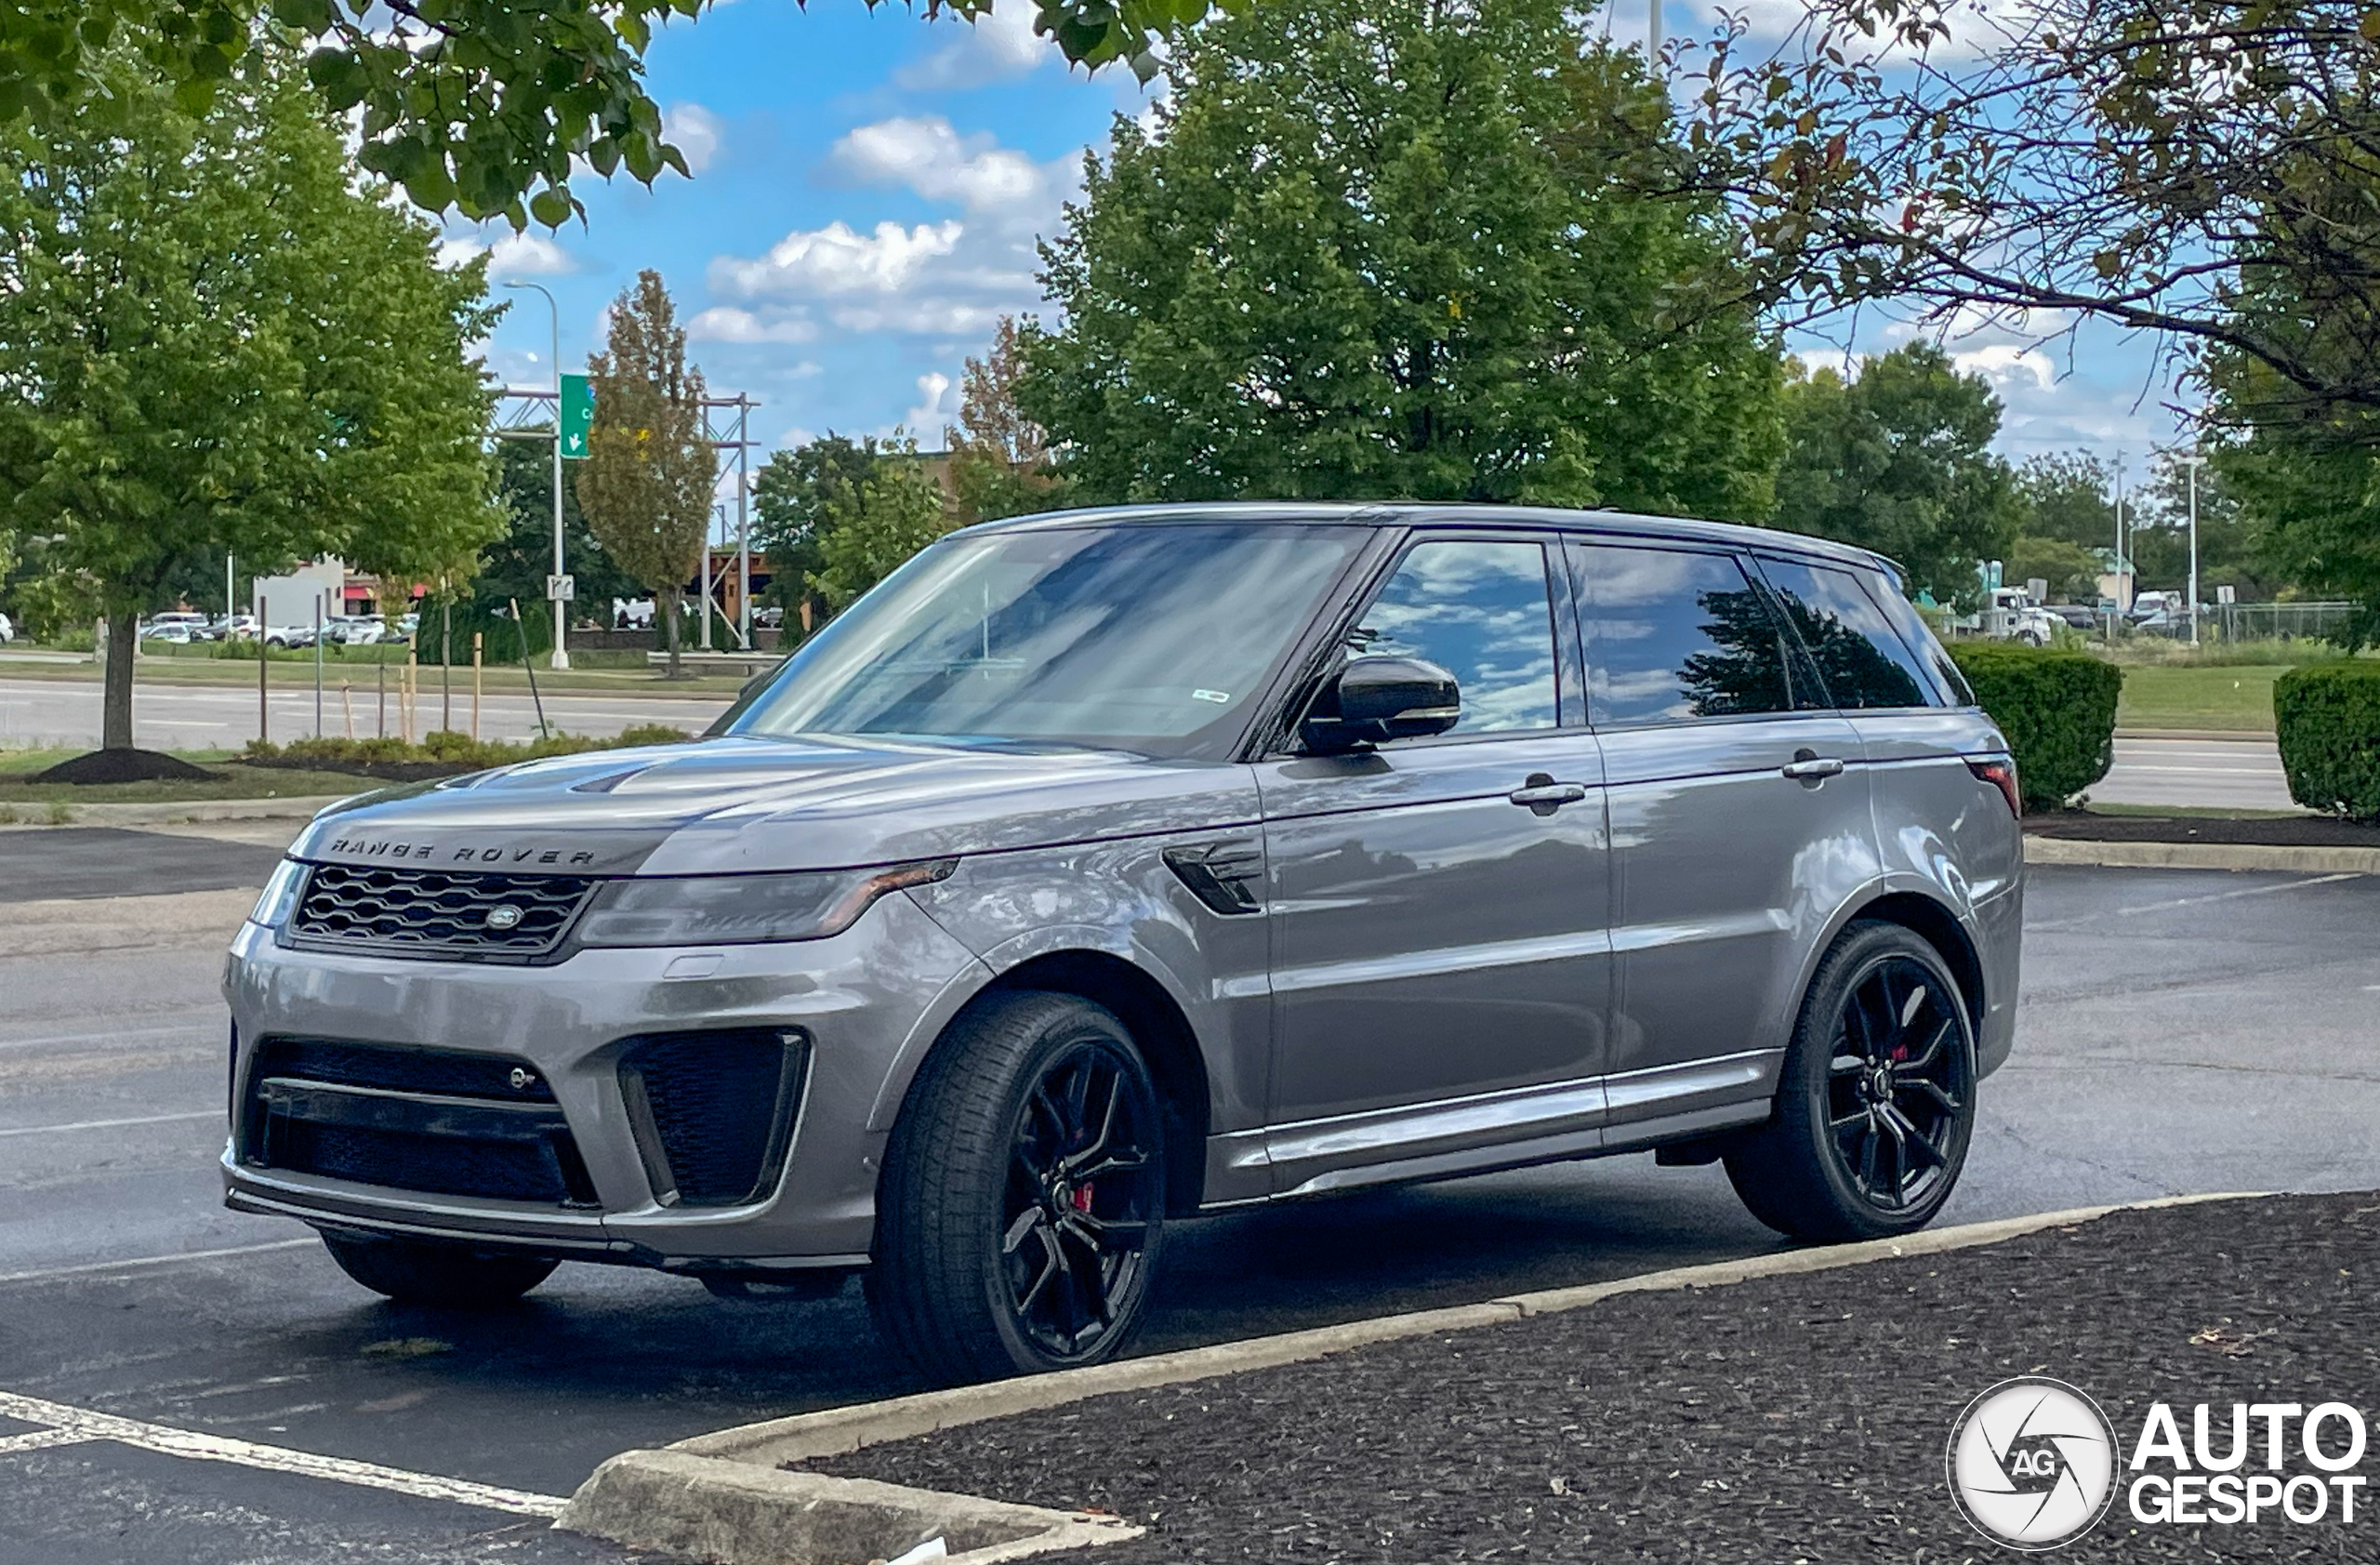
(195, 810)
(2202, 855)
(733, 1513)
(726, 1498)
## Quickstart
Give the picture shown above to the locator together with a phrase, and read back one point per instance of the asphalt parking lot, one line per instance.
(2181, 1031)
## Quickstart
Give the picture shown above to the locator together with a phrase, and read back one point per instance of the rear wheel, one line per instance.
(441, 1274)
(1022, 1208)
(1877, 1103)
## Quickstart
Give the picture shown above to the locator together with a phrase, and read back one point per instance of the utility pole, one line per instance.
(2195, 461)
(1653, 37)
(562, 652)
(744, 519)
(2123, 559)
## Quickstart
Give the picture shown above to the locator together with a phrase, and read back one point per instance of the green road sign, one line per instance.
(577, 414)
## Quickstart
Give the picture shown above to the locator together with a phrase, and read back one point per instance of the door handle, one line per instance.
(1809, 765)
(1542, 795)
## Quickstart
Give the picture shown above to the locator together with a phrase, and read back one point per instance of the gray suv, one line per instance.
(1101, 868)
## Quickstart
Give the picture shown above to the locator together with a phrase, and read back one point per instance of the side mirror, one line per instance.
(1373, 701)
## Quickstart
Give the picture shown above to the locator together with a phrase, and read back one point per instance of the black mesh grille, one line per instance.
(431, 913)
(713, 1108)
(447, 1124)
(435, 1071)
(439, 1166)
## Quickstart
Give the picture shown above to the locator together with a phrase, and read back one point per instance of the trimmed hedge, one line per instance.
(2058, 709)
(2328, 717)
(445, 745)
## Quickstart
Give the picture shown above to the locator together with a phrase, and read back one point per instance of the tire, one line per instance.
(1875, 1105)
(1021, 1213)
(439, 1275)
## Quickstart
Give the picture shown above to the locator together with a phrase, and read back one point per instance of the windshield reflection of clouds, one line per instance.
(1481, 612)
(1154, 632)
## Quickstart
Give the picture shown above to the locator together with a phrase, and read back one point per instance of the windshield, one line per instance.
(1149, 637)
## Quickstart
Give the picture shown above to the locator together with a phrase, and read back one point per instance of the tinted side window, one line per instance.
(1860, 656)
(1673, 634)
(1482, 611)
(1915, 632)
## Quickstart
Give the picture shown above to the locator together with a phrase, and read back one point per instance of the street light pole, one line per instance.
(2195, 461)
(562, 652)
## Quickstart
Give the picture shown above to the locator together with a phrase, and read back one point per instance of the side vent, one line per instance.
(1222, 875)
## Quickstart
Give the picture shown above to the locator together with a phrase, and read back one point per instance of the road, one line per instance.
(2243, 774)
(2152, 1058)
(35, 711)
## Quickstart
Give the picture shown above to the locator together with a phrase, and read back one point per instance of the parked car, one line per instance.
(229, 627)
(2080, 616)
(7, 631)
(289, 635)
(1024, 913)
(170, 630)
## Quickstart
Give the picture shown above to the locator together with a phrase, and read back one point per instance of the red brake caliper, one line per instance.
(1081, 1197)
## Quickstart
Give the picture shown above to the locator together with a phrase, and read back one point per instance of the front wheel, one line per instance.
(1021, 1207)
(1876, 1102)
(440, 1275)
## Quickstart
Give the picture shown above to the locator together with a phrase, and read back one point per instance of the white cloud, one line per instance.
(929, 316)
(2004, 364)
(514, 255)
(834, 259)
(724, 322)
(694, 131)
(933, 159)
(994, 48)
(926, 419)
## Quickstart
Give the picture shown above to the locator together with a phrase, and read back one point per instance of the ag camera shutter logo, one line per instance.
(2032, 1463)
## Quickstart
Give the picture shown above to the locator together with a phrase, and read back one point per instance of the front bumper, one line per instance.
(859, 998)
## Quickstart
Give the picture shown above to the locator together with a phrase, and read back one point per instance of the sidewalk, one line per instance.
(1783, 1419)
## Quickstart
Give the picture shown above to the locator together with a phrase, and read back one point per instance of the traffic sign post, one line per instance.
(577, 415)
(561, 588)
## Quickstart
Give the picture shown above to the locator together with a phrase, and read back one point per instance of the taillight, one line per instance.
(2000, 772)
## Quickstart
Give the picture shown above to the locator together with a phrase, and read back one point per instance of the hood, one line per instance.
(741, 804)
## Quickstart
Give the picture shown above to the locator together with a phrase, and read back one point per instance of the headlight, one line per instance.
(280, 894)
(742, 909)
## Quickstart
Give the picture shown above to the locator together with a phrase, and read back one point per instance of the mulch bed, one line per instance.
(1788, 1421)
(123, 766)
(2297, 831)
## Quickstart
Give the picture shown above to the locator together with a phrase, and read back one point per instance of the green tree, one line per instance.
(2233, 549)
(2071, 570)
(1402, 250)
(1899, 460)
(483, 104)
(647, 479)
(836, 516)
(219, 336)
(999, 459)
(513, 566)
(2069, 496)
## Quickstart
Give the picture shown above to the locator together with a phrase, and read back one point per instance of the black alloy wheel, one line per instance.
(1897, 1085)
(1875, 1101)
(1021, 1213)
(1081, 1193)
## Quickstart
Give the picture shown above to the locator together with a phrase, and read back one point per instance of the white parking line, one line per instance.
(78, 1424)
(142, 1263)
(112, 1124)
(186, 1029)
(2230, 895)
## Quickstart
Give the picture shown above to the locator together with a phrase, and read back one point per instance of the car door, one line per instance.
(1739, 818)
(1440, 959)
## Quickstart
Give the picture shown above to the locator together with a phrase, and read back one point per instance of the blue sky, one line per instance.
(867, 187)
